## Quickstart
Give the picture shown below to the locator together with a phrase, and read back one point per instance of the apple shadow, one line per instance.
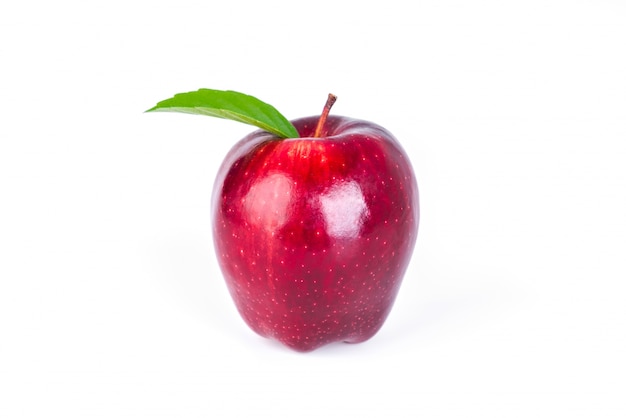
(442, 306)
(185, 268)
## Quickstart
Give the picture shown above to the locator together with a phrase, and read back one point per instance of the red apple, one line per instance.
(314, 234)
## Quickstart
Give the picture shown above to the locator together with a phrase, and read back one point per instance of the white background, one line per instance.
(513, 114)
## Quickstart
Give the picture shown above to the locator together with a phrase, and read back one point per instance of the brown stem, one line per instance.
(322, 121)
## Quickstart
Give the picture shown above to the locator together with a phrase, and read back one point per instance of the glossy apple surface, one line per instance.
(314, 235)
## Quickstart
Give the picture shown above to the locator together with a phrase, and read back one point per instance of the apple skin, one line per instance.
(314, 235)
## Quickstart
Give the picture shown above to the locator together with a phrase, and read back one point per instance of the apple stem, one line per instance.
(322, 121)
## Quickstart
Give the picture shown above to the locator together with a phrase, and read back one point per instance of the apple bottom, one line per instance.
(335, 291)
(305, 335)
(316, 323)
(305, 329)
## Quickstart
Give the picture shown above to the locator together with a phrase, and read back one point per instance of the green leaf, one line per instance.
(230, 105)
